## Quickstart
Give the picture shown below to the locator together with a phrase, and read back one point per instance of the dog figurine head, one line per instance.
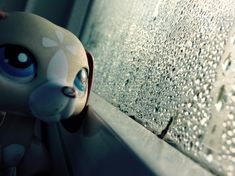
(45, 71)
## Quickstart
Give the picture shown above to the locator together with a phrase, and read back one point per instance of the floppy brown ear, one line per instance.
(91, 68)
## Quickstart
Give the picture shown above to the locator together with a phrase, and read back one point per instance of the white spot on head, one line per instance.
(72, 49)
(60, 36)
(58, 67)
(46, 42)
(22, 57)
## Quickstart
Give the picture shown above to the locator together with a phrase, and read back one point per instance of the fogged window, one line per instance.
(170, 66)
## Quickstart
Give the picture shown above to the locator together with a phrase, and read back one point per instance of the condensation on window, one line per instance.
(170, 65)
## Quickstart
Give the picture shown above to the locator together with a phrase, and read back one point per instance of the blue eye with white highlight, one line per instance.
(81, 81)
(17, 63)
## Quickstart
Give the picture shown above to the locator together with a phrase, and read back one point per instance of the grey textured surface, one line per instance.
(170, 64)
(160, 157)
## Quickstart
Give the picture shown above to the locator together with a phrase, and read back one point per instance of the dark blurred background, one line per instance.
(69, 14)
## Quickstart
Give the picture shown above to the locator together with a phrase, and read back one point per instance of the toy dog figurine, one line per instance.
(45, 74)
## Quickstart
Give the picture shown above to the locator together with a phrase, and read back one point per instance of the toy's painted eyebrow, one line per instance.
(3, 15)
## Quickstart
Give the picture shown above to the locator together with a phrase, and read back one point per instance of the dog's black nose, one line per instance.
(69, 92)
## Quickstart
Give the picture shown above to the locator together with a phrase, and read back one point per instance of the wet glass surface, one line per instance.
(170, 66)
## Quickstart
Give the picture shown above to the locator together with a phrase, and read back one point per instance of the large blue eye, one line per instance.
(81, 81)
(17, 63)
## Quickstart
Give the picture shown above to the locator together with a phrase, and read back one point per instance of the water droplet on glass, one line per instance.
(209, 158)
